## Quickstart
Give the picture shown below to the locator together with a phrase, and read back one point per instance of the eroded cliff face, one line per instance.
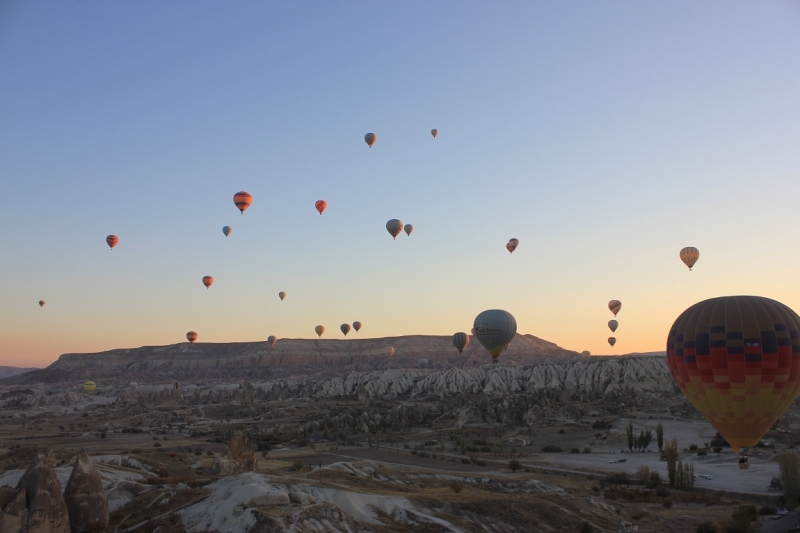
(253, 360)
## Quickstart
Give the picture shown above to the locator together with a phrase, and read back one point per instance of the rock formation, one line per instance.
(241, 457)
(85, 497)
(37, 505)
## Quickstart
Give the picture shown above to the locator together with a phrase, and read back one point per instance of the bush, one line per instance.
(550, 448)
(767, 510)
(620, 478)
(465, 460)
(667, 503)
(574, 450)
(701, 453)
(514, 465)
(745, 513)
(561, 432)
(662, 492)
(586, 449)
(457, 486)
(706, 527)
(586, 527)
(157, 444)
(297, 466)
(693, 447)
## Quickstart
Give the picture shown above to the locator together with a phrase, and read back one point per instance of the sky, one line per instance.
(605, 136)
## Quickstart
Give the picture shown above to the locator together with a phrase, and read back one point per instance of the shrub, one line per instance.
(561, 432)
(662, 492)
(297, 465)
(465, 460)
(706, 527)
(586, 527)
(693, 447)
(620, 478)
(457, 486)
(157, 445)
(514, 465)
(745, 513)
(481, 462)
(767, 510)
(574, 450)
(550, 448)
(586, 449)
(701, 453)
(667, 503)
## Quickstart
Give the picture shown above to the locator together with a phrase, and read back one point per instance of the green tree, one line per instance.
(671, 455)
(514, 465)
(660, 436)
(789, 465)
(629, 431)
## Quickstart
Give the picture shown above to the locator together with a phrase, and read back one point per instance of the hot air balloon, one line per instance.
(394, 227)
(242, 200)
(514, 242)
(41, 303)
(89, 387)
(390, 351)
(689, 256)
(370, 139)
(357, 326)
(192, 336)
(408, 228)
(208, 281)
(272, 339)
(613, 325)
(422, 363)
(495, 329)
(735, 358)
(345, 329)
(434, 132)
(112, 241)
(612, 341)
(615, 306)
(460, 341)
(281, 295)
(321, 205)
(226, 230)
(320, 330)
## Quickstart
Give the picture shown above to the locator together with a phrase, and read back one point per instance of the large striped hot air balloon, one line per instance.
(357, 326)
(89, 387)
(321, 205)
(345, 329)
(320, 330)
(460, 341)
(689, 256)
(737, 359)
(191, 336)
(370, 139)
(208, 281)
(615, 306)
(112, 241)
(394, 227)
(495, 329)
(242, 200)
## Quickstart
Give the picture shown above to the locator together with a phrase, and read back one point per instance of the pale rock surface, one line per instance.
(241, 457)
(38, 505)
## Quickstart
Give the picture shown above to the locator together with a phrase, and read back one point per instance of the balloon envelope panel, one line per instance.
(737, 359)
(495, 329)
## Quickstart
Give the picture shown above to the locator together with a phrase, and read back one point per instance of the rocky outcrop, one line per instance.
(85, 497)
(241, 457)
(37, 505)
(258, 359)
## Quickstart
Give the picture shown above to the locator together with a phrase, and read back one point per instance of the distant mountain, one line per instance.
(646, 354)
(8, 371)
(257, 360)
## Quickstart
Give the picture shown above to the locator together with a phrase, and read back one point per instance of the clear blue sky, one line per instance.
(605, 136)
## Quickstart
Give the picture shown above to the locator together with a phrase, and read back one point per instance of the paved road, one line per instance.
(787, 523)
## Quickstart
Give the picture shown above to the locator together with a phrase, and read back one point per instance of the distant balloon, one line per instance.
(370, 139)
(735, 358)
(112, 241)
(41, 303)
(357, 326)
(408, 228)
(390, 351)
(586, 353)
(321, 205)
(345, 329)
(434, 132)
(513, 242)
(272, 339)
(242, 200)
(208, 281)
(320, 330)
(191, 336)
(460, 341)
(226, 230)
(615, 306)
(394, 227)
(422, 363)
(89, 387)
(613, 325)
(612, 341)
(281, 295)
(510, 248)
(495, 329)
(689, 256)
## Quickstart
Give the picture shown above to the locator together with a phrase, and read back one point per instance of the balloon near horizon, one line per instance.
(737, 360)
(495, 329)
(192, 336)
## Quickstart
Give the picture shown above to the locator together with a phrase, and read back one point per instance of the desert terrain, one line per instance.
(333, 436)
